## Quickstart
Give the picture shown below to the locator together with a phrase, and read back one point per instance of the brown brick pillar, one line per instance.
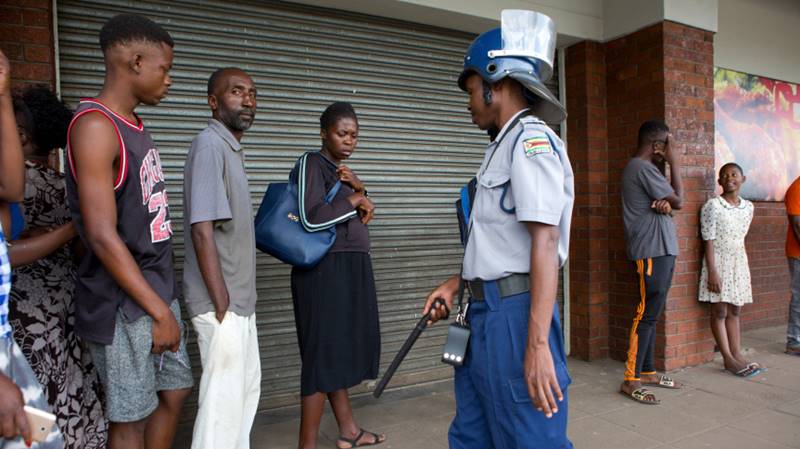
(587, 143)
(664, 71)
(26, 37)
(689, 111)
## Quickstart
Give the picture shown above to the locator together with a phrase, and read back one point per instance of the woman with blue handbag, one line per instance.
(335, 304)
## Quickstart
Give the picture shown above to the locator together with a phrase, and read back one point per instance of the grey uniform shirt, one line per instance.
(647, 233)
(541, 189)
(215, 189)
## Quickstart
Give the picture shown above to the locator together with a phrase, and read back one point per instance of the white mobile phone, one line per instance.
(40, 422)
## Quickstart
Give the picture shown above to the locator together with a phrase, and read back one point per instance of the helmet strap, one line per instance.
(487, 93)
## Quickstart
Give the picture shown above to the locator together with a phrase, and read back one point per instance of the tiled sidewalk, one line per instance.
(714, 410)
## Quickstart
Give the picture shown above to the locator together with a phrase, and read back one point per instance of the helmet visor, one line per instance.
(528, 34)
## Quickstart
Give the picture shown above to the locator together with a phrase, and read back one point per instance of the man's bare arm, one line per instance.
(540, 370)
(12, 163)
(95, 147)
(210, 268)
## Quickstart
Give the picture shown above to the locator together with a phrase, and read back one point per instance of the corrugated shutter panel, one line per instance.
(417, 145)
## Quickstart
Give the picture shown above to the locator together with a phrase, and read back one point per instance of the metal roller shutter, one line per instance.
(417, 145)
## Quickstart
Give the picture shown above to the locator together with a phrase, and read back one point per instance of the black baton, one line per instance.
(412, 338)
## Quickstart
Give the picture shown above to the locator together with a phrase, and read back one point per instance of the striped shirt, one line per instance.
(5, 286)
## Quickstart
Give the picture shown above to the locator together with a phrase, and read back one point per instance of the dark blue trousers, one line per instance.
(493, 409)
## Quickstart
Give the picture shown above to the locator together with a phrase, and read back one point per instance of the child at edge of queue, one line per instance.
(725, 277)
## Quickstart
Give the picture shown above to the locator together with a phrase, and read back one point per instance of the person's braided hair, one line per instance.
(48, 117)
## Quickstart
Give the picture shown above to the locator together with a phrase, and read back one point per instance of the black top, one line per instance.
(143, 224)
(352, 235)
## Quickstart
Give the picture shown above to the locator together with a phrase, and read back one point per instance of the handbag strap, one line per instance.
(333, 191)
(301, 200)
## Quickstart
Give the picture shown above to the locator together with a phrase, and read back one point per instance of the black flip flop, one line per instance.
(354, 441)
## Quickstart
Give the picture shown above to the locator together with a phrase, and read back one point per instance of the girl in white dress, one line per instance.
(725, 279)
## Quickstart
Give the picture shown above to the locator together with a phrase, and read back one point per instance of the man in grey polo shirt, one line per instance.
(647, 203)
(219, 271)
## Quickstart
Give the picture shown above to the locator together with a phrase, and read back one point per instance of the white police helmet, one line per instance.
(523, 49)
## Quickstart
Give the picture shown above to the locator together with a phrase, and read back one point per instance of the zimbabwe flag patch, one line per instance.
(537, 145)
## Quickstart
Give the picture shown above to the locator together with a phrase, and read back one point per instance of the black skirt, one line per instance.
(336, 314)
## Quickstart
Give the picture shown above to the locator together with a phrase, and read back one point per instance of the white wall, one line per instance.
(697, 13)
(759, 37)
(575, 19)
(623, 17)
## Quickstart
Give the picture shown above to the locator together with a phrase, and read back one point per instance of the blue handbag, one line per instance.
(282, 229)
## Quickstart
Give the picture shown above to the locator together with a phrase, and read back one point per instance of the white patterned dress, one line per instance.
(14, 365)
(727, 225)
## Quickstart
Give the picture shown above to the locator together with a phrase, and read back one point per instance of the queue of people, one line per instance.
(92, 328)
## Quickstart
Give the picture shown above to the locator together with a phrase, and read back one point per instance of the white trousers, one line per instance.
(231, 382)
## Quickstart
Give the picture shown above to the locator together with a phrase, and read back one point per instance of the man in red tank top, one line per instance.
(125, 299)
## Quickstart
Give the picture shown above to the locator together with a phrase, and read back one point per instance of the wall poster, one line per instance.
(757, 125)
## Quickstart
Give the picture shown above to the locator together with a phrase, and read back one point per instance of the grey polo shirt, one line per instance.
(647, 233)
(215, 189)
(541, 189)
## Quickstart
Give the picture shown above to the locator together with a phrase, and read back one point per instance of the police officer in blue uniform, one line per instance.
(511, 391)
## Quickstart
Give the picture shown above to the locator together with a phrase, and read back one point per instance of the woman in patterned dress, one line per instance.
(41, 307)
(725, 279)
(18, 385)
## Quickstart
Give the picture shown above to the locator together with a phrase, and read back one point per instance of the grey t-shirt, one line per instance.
(647, 233)
(215, 189)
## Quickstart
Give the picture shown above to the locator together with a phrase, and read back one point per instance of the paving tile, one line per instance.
(427, 434)
(594, 399)
(576, 413)
(595, 433)
(382, 415)
(600, 378)
(780, 377)
(603, 379)
(726, 437)
(715, 408)
(752, 392)
(664, 423)
(275, 436)
(604, 367)
(778, 360)
(772, 425)
(768, 334)
(792, 408)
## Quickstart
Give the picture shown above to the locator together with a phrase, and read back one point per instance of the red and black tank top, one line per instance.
(143, 224)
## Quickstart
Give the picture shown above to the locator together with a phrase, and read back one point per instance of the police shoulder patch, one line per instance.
(537, 144)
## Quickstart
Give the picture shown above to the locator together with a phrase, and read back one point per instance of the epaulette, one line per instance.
(532, 120)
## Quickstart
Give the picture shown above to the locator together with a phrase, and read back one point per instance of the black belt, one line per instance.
(508, 286)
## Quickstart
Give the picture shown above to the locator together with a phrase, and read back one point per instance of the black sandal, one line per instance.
(378, 439)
